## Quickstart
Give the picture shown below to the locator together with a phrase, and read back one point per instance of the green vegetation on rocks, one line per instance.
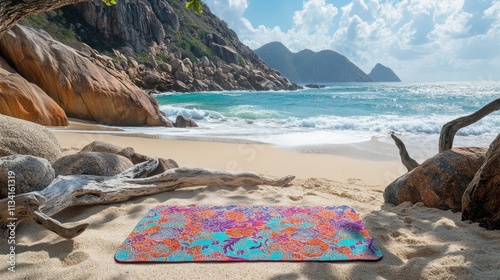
(55, 24)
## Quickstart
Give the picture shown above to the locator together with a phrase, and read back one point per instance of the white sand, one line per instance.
(417, 242)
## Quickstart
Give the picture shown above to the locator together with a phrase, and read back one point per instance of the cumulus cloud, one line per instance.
(315, 17)
(419, 39)
(313, 23)
(230, 11)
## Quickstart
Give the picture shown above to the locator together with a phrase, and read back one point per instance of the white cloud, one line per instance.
(230, 11)
(312, 23)
(315, 17)
(419, 39)
(493, 11)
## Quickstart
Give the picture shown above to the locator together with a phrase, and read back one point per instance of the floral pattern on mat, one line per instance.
(196, 233)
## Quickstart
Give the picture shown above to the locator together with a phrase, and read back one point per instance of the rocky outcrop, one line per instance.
(315, 86)
(85, 87)
(381, 73)
(24, 100)
(91, 163)
(145, 25)
(152, 36)
(19, 137)
(137, 23)
(225, 52)
(186, 76)
(440, 181)
(182, 122)
(481, 199)
(261, 83)
(30, 173)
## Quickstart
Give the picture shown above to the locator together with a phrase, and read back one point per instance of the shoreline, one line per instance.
(376, 162)
(263, 158)
(374, 146)
(352, 163)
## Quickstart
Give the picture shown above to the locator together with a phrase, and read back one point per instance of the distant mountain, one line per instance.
(278, 57)
(307, 66)
(381, 73)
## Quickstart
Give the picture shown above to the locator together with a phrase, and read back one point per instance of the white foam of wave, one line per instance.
(312, 137)
(386, 123)
(196, 114)
(241, 112)
(266, 126)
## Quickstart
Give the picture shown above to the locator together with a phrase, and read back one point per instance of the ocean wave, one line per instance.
(195, 114)
(248, 117)
(386, 124)
(252, 112)
(371, 108)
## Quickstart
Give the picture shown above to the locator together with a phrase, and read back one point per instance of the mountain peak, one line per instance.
(381, 73)
(308, 66)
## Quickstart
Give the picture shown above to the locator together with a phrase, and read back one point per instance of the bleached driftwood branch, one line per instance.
(450, 129)
(407, 161)
(27, 207)
(68, 191)
(448, 132)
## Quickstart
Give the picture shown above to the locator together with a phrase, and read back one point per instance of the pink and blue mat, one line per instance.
(248, 233)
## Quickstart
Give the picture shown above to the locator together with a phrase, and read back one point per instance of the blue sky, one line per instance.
(421, 40)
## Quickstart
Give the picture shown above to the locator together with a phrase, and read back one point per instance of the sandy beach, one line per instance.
(417, 242)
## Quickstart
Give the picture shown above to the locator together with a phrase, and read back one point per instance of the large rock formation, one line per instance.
(148, 39)
(440, 181)
(138, 23)
(84, 88)
(145, 25)
(24, 100)
(186, 76)
(18, 137)
(381, 73)
(30, 173)
(481, 199)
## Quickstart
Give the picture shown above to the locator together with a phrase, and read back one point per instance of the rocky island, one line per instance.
(381, 73)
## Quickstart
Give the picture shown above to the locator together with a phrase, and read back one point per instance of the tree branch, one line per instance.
(450, 129)
(407, 161)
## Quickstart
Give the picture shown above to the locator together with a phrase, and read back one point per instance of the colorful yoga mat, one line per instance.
(175, 233)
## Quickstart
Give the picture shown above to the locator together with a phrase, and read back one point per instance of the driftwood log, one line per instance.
(407, 161)
(450, 129)
(68, 191)
(448, 132)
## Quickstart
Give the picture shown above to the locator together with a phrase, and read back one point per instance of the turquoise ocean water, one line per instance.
(337, 114)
